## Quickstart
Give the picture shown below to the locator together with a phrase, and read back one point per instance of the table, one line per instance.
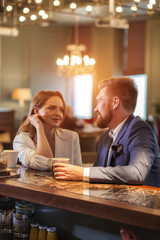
(137, 206)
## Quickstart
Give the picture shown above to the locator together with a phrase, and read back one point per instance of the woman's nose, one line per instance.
(58, 111)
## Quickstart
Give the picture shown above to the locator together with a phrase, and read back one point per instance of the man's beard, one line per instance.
(103, 123)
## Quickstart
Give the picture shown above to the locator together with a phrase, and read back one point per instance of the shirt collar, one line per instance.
(113, 133)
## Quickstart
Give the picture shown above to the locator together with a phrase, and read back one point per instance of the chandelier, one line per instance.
(76, 62)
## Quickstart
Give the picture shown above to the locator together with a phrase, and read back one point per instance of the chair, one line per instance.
(7, 126)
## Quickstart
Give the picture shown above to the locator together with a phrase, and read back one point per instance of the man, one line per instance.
(128, 151)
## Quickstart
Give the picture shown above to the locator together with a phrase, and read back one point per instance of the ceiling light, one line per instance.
(9, 8)
(153, 2)
(119, 9)
(41, 12)
(45, 16)
(73, 6)
(134, 8)
(149, 6)
(33, 17)
(22, 18)
(89, 8)
(26, 10)
(38, 1)
(56, 3)
(74, 63)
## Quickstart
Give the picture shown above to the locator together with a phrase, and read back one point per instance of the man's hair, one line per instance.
(124, 88)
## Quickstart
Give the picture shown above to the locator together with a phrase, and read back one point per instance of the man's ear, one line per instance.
(35, 110)
(116, 101)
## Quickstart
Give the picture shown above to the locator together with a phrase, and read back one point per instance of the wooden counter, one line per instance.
(134, 205)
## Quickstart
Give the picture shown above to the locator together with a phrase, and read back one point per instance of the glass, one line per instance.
(6, 234)
(3, 162)
(6, 218)
(21, 223)
(20, 236)
(23, 207)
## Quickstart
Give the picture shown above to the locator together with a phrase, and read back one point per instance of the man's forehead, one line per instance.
(103, 91)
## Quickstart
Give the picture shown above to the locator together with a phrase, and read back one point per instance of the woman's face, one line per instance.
(52, 112)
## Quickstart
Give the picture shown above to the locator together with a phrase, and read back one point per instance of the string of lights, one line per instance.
(23, 12)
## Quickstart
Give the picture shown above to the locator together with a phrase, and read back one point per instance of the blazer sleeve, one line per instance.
(24, 144)
(140, 151)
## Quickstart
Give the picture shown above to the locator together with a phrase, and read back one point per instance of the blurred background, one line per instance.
(70, 46)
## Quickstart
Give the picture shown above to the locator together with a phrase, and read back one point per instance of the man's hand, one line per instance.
(67, 172)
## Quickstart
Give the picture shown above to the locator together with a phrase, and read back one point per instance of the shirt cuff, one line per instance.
(86, 174)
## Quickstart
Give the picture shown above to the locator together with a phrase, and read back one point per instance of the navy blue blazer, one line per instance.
(134, 157)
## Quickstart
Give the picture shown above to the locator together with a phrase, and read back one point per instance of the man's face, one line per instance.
(103, 109)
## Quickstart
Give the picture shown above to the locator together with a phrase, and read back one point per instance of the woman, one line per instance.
(39, 138)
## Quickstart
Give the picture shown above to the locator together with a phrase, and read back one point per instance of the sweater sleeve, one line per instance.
(26, 147)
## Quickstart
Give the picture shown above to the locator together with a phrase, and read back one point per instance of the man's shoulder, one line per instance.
(138, 121)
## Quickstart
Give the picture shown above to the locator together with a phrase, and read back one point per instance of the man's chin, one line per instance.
(101, 124)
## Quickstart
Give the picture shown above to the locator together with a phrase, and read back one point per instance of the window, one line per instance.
(141, 107)
(82, 96)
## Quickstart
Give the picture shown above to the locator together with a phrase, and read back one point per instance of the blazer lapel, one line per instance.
(101, 161)
(119, 136)
(59, 147)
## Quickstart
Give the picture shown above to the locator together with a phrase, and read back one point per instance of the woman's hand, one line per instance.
(64, 171)
(35, 120)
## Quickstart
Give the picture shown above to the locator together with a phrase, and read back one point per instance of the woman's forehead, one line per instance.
(54, 100)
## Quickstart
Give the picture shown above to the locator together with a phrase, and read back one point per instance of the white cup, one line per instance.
(11, 156)
(60, 160)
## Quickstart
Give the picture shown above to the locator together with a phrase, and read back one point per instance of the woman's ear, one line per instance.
(35, 110)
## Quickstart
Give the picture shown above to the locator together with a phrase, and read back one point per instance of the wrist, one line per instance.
(40, 127)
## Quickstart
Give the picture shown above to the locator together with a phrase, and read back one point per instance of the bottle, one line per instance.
(51, 233)
(34, 231)
(42, 234)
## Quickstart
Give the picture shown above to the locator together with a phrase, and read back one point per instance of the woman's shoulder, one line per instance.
(22, 136)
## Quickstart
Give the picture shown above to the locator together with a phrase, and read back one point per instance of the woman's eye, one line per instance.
(62, 110)
(52, 108)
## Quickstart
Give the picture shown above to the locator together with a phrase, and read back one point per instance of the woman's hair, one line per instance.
(124, 88)
(38, 101)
